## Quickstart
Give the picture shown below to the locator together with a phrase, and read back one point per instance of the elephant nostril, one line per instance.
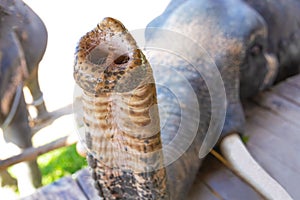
(122, 59)
(256, 50)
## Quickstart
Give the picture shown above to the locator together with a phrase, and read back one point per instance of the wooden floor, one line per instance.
(273, 127)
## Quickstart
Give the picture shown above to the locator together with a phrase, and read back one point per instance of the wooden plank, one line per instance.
(275, 125)
(274, 143)
(279, 105)
(287, 178)
(294, 80)
(35, 196)
(86, 184)
(223, 182)
(200, 191)
(63, 189)
(288, 91)
(274, 146)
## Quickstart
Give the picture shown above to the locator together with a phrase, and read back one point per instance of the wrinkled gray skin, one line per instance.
(22, 35)
(235, 37)
(283, 21)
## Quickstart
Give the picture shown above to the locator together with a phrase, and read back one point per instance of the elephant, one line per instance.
(283, 25)
(23, 41)
(235, 37)
(207, 57)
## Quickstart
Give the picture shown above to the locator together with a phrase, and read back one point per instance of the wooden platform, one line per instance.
(273, 127)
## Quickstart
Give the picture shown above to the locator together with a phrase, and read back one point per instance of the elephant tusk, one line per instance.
(81, 150)
(244, 165)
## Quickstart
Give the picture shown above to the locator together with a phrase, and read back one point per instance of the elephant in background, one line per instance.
(23, 41)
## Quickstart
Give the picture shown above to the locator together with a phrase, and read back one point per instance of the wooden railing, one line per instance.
(33, 152)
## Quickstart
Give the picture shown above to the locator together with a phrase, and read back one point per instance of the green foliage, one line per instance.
(245, 138)
(61, 162)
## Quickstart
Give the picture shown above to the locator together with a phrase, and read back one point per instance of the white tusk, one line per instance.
(249, 170)
(80, 149)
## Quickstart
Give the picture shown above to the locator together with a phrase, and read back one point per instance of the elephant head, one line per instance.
(199, 52)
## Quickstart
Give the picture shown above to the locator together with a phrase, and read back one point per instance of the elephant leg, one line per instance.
(19, 133)
(38, 101)
(28, 176)
(243, 164)
(7, 179)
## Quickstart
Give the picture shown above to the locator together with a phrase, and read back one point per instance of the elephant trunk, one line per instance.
(122, 131)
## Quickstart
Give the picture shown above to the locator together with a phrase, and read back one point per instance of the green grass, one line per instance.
(245, 138)
(58, 163)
